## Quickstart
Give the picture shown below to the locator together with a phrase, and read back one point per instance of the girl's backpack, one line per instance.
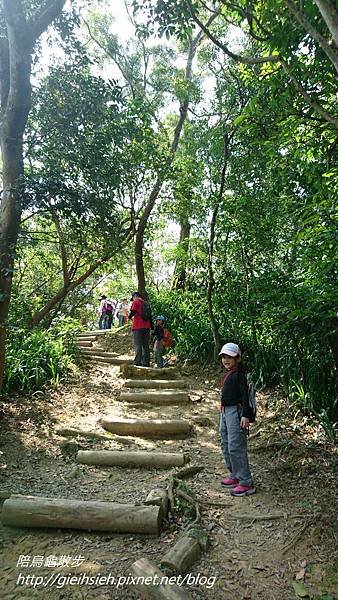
(168, 339)
(246, 380)
(252, 402)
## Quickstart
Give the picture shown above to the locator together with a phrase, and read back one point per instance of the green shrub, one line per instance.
(36, 356)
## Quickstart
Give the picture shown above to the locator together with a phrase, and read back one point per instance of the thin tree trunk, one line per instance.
(211, 279)
(180, 274)
(70, 285)
(139, 238)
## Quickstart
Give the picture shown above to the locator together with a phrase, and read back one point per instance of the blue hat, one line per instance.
(160, 318)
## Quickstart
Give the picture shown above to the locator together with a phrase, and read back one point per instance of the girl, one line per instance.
(235, 423)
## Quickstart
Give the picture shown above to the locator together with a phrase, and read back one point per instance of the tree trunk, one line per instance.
(180, 274)
(15, 94)
(139, 238)
(211, 280)
(330, 16)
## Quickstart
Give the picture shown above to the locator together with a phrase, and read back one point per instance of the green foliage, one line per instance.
(37, 356)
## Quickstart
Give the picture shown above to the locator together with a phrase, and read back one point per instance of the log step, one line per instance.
(111, 458)
(131, 372)
(84, 344)
(156, 383)
(151, 428)
(111, 360)
(30, 511)
(155, 397)
(97, 351)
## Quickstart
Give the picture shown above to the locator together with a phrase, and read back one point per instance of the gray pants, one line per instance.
(234, 444)
(141, 345)
(159, 350)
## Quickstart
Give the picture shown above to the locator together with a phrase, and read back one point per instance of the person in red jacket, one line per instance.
(141, 330)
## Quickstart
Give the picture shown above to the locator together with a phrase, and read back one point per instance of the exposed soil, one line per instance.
(293, 468)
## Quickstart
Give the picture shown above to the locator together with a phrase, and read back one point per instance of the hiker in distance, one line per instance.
(122, 311)
(140, 313)
(102, 312)
(106, 312)
(234, 426)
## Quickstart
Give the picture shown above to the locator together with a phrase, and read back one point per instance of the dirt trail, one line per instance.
(250, 559)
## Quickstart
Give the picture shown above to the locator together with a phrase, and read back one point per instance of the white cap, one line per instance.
(230, 350)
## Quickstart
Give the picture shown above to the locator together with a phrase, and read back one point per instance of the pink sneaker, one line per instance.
(242, 490)
(229, 482)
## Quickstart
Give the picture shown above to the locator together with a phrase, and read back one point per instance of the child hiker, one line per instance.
(235, 423)
(159, 348)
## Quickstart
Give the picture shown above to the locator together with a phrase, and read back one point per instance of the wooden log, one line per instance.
(107, 359)
(66, 432)
(131, 372)
(159, 497)
(182, 555)
(31, 511)
(92, 333)
(110, 458)
(156, 383)
(156, 428)
(147, 574)
(166, 397)
(100, 352)
(200, 536)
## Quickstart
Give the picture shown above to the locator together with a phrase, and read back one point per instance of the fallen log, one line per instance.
(132, 372)
(159, 497)
(152, 584)
(182, 555)
(155, 383)
(156, 428)
(112, 458)
(31, 511)
(156, 397)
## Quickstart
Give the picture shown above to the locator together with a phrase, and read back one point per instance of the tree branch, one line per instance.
(330, 16)
(312, 103)
(303, 20)
(44, 17)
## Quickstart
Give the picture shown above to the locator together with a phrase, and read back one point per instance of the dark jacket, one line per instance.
(158, 332)
(235, 391)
